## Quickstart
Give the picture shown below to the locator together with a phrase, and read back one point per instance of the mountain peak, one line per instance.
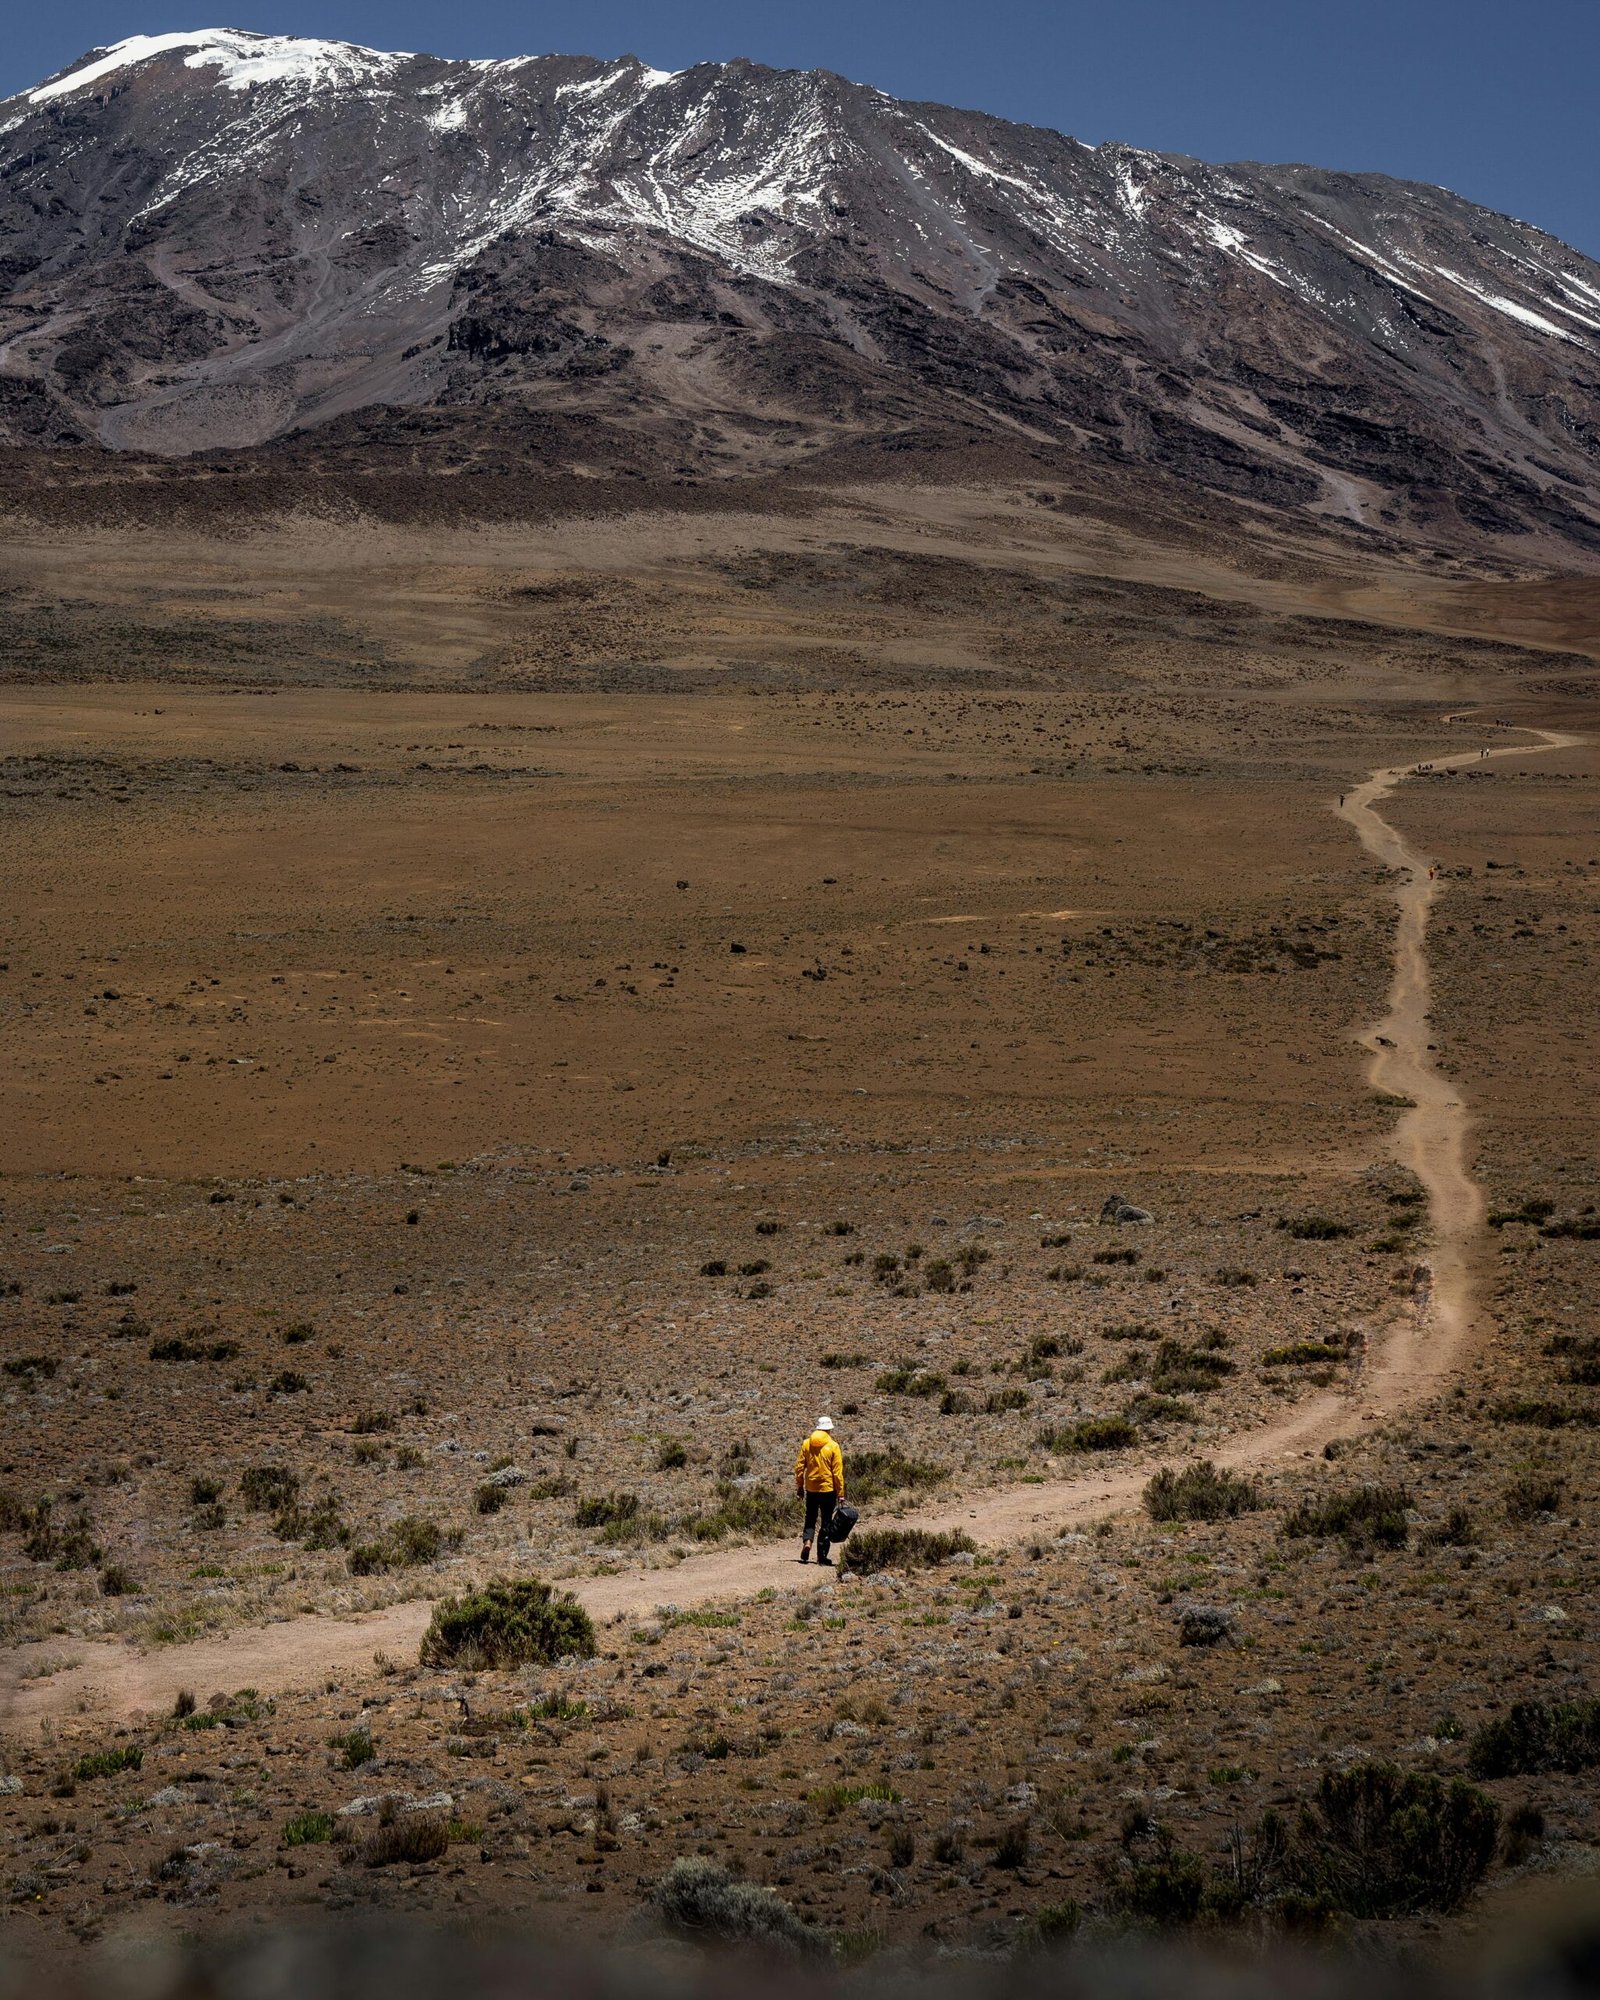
(218, 238)
(242, 60)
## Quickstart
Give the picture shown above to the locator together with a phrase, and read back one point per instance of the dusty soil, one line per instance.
(388, 1056)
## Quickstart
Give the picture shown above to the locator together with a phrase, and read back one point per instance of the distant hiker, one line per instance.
(819, 1478)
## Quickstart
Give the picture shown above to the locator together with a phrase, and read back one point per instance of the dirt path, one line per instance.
(111, 1679)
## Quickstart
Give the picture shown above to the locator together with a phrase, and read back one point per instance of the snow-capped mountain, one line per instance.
(211, 240)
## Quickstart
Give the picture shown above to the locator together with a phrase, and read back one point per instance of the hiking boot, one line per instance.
(805, 1552)
(824, 1562)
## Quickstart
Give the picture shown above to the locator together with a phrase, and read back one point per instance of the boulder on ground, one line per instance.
(1118, 1208)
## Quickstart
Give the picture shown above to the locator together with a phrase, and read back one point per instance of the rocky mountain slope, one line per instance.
(212, 241)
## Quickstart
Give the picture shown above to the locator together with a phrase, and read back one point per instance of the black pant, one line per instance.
(819, 1515)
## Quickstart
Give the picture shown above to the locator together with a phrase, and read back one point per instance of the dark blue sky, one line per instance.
(1493, 99)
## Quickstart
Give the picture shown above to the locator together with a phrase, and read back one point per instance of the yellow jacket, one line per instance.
(820, 1466)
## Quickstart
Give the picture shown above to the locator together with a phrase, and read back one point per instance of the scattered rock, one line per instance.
(1118, 1208)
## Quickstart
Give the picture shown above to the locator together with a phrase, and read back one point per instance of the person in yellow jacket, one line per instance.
(819, 1477)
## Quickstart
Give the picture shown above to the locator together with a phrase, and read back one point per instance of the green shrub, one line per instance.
(405, 1544)
(873, 1474)
(1200, 1493)
(1091, 1434)
(508, 1622)
(267, 1489)
(1153, 1409)
(999, 1401)
(601, 1510)
(1163, 1891)
(1535, 1494)
(1179, 1370)
(1546, 1416)
(874, 1549)
(909, 1380)
(671, 1453)
(697, 1898)
(104, 1763)
(355, 1748)
(1367, 1517)
(1381, 1842)
(489, 1498)
(1535, 1737)
(1302, 1354)
(742, 1510)
(307, 1829)
(1317, 1229)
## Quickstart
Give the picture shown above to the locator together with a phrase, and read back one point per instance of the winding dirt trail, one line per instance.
(1418, 1352)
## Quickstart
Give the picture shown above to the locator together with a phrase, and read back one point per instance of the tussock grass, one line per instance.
(873, 1549)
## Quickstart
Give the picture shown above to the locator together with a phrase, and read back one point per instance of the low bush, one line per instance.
(267, 1489)
(1179, 1370)
(1116, 1257)
(355, 1748)
(1534, 1737)
(1302, 1354)
(743, 1510)
(697, 1898)
(873, 1474)
(605, 1510)
(1200, 1493)
(1366, 1517)
(105, 1763)
(412, 1836)
(307, 1829)
(873, 1549)
(999, 1401)
(1153, 1409)
(1091, 1434)
(1546, 1416)
(508, 1622)
(671, 1453)
(1381, 1842)
(31, 1368)
(405, 1544)
(1532, 1495)
(909, 1380)
(1316, 1229)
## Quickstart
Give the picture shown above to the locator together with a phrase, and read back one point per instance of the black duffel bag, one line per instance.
(844, 1519)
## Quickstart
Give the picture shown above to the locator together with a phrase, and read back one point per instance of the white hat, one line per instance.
(824, 1423)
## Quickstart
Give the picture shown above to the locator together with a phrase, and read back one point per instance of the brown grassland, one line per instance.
(500, 1027)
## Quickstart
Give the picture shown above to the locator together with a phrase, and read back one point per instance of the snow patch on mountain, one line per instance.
(244, 60)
